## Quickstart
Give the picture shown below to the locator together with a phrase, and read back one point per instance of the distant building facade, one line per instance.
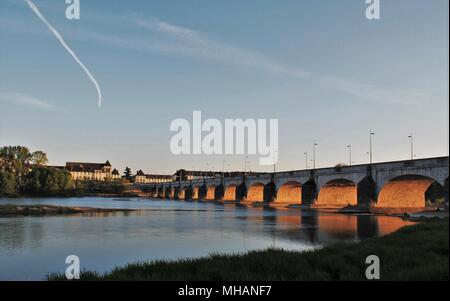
(92, 171)
(115, 174)
(143, 178)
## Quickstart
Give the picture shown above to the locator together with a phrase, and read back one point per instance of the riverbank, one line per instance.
(418, 252)
(32, 210)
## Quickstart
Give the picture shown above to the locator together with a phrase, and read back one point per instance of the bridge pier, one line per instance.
(309, 193)
(366, 191)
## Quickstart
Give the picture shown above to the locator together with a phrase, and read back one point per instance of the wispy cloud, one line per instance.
(23, 99)
(163, 37)
(376, 93)
(185, 41)
(194, 43)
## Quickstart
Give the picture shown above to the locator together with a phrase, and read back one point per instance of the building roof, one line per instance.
(57, 166)
(85, 166)
(107, 163)
(140, 173)
(115, 172)
(158, 176)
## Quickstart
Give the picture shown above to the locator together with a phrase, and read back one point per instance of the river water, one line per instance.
(31, 247)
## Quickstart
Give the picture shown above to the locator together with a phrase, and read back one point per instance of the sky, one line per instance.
(326, 72)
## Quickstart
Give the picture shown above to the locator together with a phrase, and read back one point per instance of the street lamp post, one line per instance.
(314, 155)
(349, 154)
(411, 146)
(306, 159)
(370, 145)
(223, 169)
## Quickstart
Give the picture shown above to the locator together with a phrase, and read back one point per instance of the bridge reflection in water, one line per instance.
(321, 227)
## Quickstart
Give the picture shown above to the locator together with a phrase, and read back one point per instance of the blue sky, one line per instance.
(325, 71)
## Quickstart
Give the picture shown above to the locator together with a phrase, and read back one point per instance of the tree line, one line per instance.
(23, 172)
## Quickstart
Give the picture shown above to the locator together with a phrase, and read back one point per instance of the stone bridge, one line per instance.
(399, 184)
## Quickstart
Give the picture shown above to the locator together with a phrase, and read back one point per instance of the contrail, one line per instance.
(63, 43)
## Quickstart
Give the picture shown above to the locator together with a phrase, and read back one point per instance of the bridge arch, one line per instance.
(255, 192)
(211, 193)
(409, 191)
(214, 192)
(338, 193)
(289, 193)
(198, 192)
(234, 192)
(259, 192)
(230, 193)
(185, 193)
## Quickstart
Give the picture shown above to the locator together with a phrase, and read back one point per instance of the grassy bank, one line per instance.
(418, 252)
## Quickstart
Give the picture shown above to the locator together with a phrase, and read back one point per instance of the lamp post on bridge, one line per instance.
(274, 161)
(306, 159)
(349, 154)
(411, 146)
(370, 145)
(314, 155)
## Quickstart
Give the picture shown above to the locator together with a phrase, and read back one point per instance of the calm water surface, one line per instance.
(31, 247)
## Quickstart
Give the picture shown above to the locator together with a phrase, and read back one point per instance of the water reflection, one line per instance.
(166, 230)
(320, 227)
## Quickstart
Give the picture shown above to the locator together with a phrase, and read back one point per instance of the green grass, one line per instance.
(418, 252)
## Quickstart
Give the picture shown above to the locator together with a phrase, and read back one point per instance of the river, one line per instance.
(32, 246)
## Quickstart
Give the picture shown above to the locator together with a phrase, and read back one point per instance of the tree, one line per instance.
(15, 159)
(47, 181)
(8, 186)
(127, 174)
(33, 181)
(340, 165)
(39, 158)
